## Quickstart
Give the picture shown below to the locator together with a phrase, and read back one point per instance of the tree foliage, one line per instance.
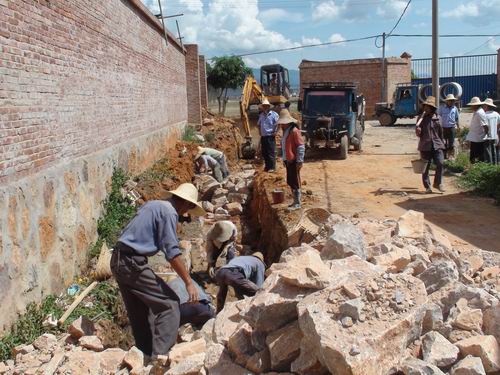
(226, 72)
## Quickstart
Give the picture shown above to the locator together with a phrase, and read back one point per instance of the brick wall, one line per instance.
(203, 82)
(193, 84)
(366, 72)
(85, 86)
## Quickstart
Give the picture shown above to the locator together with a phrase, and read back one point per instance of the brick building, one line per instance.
(85, 86)
(366, 72)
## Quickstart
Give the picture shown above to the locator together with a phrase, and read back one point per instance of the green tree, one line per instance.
(226, 72)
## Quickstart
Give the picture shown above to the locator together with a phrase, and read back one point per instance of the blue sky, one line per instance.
(223, 27)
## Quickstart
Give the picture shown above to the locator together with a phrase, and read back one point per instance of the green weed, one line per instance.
(483, 179)
(460, 164)
(189, 135)
(158, 172)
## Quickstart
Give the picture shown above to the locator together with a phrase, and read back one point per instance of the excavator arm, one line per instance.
(252, 94)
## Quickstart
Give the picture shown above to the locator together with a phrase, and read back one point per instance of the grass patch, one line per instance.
(483, 179)
(189, 135)
(459, 164)
(158, 172)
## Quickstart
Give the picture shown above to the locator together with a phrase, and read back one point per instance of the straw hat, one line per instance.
(259, 255)
(286, 118)
(489, 103)
(475, 101)
(222, 231)
(189, 193)
(450, 97)
(430, 101)
(265, 102)
(201, 151)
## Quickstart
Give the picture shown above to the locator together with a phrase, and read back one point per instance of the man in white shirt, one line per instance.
(477, 130)
(492, 145)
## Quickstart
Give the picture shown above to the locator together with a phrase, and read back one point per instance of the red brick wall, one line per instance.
(366, 72)
(203, 82)
(78, 76)
(193, 84)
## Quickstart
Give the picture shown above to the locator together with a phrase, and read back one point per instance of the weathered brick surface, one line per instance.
(193, 84)
(366, 72)
(79, 76)
(203, 82)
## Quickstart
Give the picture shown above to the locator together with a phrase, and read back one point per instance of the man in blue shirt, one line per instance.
(449, 116)
(268, 126)
(152, 306)
(245, 274)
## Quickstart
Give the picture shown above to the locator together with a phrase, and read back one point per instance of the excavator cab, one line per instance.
(275, 83)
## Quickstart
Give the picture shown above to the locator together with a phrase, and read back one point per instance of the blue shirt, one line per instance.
(252, 267)
(178, 286)
(449, 116)
(267, 123)
(153, 229)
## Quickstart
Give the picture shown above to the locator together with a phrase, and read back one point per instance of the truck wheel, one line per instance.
(344, 147)
(386, 119)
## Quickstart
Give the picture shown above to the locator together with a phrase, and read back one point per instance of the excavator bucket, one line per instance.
(248, 150)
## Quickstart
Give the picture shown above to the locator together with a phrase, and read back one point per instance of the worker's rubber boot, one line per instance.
(296, 201)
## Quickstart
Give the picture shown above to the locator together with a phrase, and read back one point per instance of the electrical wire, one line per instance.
(400, 18)
(490, 39)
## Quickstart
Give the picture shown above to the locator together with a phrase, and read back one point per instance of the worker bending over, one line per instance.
(196, 313)
(152, 306)
(217, 155)
(221, 241)
(245, 274)
(204, 163)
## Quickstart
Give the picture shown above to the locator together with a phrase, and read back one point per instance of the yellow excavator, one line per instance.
(275, 85)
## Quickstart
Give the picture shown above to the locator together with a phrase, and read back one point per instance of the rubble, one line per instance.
(484, 347)
(438, 351)
(345, 240)
(468, 366)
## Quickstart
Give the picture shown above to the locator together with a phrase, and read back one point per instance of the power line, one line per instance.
(400, 18)
(445, 35)
(490, 39)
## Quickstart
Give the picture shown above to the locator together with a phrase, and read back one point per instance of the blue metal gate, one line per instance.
(477, 74)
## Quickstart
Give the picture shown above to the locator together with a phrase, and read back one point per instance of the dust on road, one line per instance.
(379, 182)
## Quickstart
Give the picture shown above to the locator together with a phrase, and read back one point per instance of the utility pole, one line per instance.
(435, 51)
(165, 32)
(384, 90)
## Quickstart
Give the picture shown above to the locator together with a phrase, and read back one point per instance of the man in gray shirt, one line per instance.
(245, 274)
(152, 306)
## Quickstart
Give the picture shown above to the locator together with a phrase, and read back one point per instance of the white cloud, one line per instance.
(257, 62)
(476, 12)
(493, 45)
(336, 38)
(278, 15)
(307, 41)
(420, 25)
(351, 10)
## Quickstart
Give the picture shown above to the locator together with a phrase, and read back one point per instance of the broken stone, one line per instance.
(468, 366)
(411, 225)
(191, 365)
(284, 346)
(237, 198)
(111, 360)
(91, 343)
(352, 308)
(459, 335)
(206, 185)
(221, 211)
(227, 321)
(350, 290)
(208, 206)
(234, 208)
(438, 275)
(22, 349)
(347, 322)
(484, 347)
(186, 349)
(490, 273)
(433, 317)
(259, 362)
(466, 318)
(416, 366)
(491, 319)
(134, 359)
(438, 351)
(81, 362)
(345, 240)
(218, 361)
(240, 344)
(50, 367)
(352, 269)
(82, 326)
(219, 193)
(394, 261)
(219, 202)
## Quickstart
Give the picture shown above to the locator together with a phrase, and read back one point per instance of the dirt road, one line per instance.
(379, 182)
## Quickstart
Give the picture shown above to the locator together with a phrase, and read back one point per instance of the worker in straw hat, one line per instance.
(221, 241)
(431, 144)
(152, 307)
(215, 154)
(267, 128)
(293, 149)
(492, 146)
(478, 129)
(449, 117)
(245, 274)
(205, 163)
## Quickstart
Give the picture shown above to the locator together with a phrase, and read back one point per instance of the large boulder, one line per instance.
(438, 275)
(394, 261)
(344, 240)
(206, 185)
(468, 366)
(411, 225)
(438, 351)
(375, 343)
(284, 346)
(227, 321)
(484, 347)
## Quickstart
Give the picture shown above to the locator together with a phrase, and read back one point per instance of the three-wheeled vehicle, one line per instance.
(333, 116)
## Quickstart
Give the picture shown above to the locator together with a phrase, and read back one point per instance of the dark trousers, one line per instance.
(490, 152)
(152, 307)
(196, 313)
(292, 175)
(476, 152)
(449, 141)
(234, 277)
(438, 157)
(268, 147)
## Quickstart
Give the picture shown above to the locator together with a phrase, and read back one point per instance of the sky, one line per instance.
(227, 27)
